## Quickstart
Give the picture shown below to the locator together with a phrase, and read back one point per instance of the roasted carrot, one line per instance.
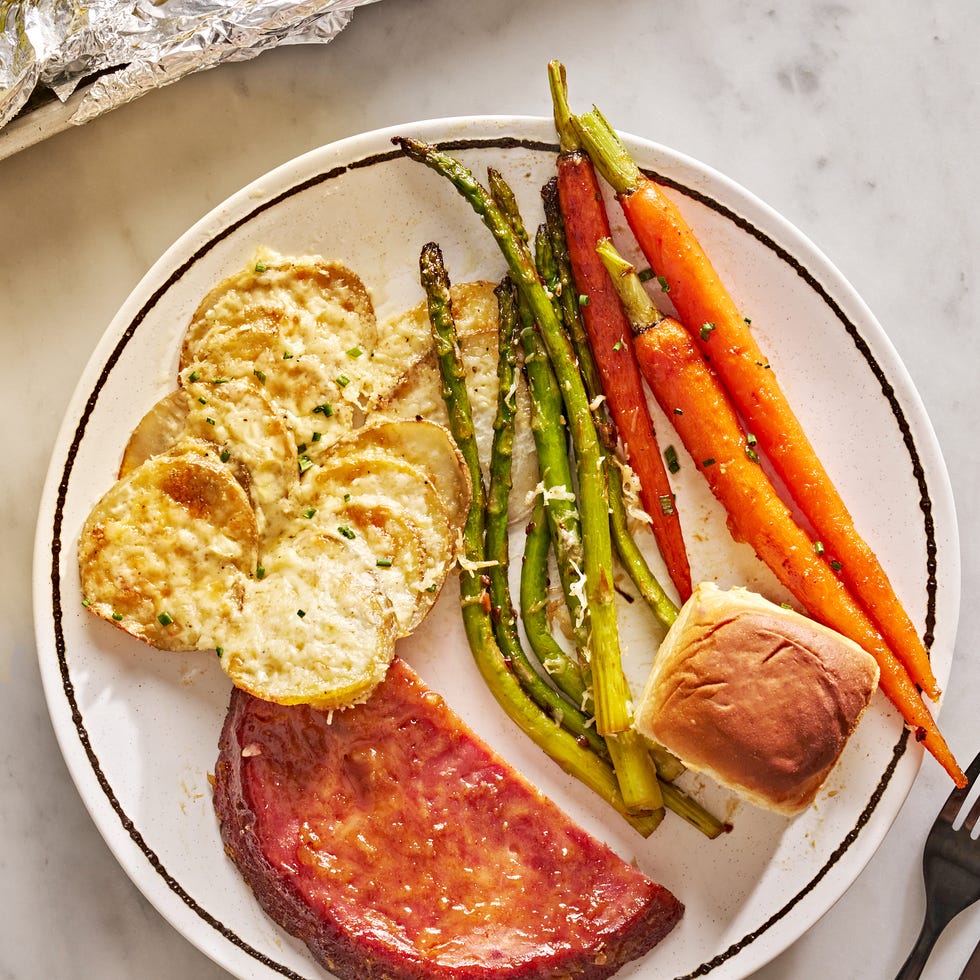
(586, 223)
(706, 308)
(691, 395)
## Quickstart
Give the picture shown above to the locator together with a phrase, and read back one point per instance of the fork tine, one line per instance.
(973, 771)
(971, 817)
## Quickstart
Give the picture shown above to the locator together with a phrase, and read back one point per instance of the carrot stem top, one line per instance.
(640, 309)
(568, 139)
(610, 156)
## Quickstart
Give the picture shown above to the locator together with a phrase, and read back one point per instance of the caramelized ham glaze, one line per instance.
(396, 845)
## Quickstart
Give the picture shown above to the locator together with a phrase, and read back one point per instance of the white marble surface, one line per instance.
(855, 120)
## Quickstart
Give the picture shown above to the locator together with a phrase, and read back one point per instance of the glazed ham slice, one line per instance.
(397, 845)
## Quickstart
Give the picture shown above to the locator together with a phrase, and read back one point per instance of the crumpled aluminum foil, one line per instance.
(132, 46)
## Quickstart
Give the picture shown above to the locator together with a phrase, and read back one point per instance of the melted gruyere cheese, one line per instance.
(316, 630)
(303, 326)
(267, 508)
(167, 552)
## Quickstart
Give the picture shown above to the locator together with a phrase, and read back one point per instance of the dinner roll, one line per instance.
(755, 695)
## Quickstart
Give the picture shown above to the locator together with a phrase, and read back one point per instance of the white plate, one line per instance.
(138, 728)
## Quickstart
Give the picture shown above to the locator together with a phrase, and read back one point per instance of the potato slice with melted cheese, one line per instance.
(281, 286)
(305, 328)
(422, 443)
(239, 420)
(317, 628)
(391, 508)
(406, 338)
(166, 554)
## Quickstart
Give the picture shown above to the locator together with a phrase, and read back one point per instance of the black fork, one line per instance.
(951, 869)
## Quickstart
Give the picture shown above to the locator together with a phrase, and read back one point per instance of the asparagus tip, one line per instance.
(415, 149)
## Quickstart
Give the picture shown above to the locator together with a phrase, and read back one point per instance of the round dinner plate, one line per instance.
(139, 728)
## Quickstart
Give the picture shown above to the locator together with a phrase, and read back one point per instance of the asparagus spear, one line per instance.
(561, 504)
(613, 705)
(560, 745)
(611, 689)
(629, 552)
(497, 537)
(534, 604)
(548, 429)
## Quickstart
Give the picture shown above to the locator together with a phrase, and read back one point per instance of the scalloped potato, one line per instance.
(304, 327)
(317, 628)
(166, 553)
(241, 423)
(266, 509)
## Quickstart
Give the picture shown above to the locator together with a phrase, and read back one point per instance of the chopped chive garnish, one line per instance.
(751, 454)
(219, 650)
(706, 330)
(670, 457)
(304, 463)
(583, 300)
(259, 374)
(210, 421)
(710, 461)
(355, 352)
(645, 274)
(287, 355)
(260, 267)
(748, 320)
(664, 285)
(86, 601)
(260, 572)
(220, 381)
(309, 512)
(165, 619)
(346, 532)
(194, 375)
(117, 616)
(678, 411)
(666, 504)
(224, 455)
(301, 448)
(301, 613)
(316, 437)
(618, 346)
(202, 400)
(383, 563)
(326, 409)
(343, 380)
(346, 498)
(818, 547)
(750, 438)
(836, 565)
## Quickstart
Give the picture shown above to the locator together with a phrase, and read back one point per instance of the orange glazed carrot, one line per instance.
(586, 223)
(708, 311)
(691, 395)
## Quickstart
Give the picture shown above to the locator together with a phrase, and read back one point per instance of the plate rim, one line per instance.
(228, 216)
